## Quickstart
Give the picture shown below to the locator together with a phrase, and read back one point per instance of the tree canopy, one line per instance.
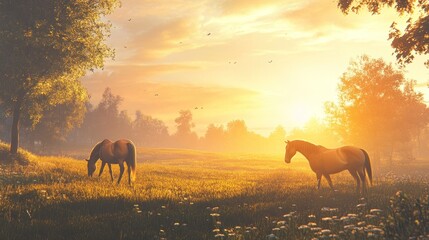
(377, 107)
(414, 39)
(46, 46)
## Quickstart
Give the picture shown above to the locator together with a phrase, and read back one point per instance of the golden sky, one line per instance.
(268, 62)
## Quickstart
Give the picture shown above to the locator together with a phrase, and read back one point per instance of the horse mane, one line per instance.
(307, 147)
(95, 151)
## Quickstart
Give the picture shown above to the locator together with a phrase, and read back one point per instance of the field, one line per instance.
(183, 194)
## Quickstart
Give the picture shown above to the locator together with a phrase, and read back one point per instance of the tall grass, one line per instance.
(195, 195)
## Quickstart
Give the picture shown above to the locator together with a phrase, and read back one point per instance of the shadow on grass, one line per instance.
(118, 218)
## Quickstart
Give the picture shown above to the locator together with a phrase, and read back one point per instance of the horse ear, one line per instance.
(287, 141)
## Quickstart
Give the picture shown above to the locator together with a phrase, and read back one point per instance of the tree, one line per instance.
(239, 138)
(215, 138)
(376, 106)
(315, 131)
(149, 131)
(184, 134)
(57, 121)
(415, 38)
(103, 121)
(279, 134)
(46, 45)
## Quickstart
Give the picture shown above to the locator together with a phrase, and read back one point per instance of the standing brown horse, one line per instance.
(114, 153)
(324, 161)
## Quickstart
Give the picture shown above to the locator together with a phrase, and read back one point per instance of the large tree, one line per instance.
(414, 39)
(56, 121)
(377, 107)
(46, 45)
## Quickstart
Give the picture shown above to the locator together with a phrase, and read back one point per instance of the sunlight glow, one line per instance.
(301, 114)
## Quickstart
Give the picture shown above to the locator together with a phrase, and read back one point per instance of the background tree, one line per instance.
(184, 136)
(315, 131)
(57, 121)
(276, 140)
(46, 45)
(239, 138)
(103, 122)
(215, 138)
(148, 131)
(376, 106)
(415, 37)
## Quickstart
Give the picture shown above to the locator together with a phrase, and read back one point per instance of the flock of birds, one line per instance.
(208, 34)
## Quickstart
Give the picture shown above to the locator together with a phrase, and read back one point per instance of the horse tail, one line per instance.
(132, 160)
(368, 166)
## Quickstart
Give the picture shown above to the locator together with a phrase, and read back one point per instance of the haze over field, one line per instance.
(231, 119)
(267, 62)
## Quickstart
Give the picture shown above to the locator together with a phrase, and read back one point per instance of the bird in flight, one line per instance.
(270, 61)
(208, 34)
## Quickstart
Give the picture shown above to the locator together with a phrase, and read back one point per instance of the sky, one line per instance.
(268, 62)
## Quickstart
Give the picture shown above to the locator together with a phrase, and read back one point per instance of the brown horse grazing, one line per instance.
(114, 153)
(324, 161)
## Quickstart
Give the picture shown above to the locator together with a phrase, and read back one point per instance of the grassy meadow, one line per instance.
(184, 194)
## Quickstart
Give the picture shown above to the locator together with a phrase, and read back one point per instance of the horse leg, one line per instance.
(129, 174)
(319, 178)
(363, 179)
(102, 168)
(121, 167)
(110, 171)
(355, 176)
(329, 180)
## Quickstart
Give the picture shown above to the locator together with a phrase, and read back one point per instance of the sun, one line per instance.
(301, 114)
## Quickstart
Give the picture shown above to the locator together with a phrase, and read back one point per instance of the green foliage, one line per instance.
(407, 217)
(414, 38)
(46, 46)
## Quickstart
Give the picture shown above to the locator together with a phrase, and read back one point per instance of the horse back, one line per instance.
(352, 155)
(332, 161)
(113, 152)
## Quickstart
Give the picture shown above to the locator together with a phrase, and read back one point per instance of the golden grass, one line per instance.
(174, 196)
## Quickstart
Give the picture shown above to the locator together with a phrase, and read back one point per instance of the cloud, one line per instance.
(242, 7)
(147, 30)
(322, 22)
(318, 15)
(164, 100)
(161, 40)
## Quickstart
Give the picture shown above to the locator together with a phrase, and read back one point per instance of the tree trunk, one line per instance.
(14, 140)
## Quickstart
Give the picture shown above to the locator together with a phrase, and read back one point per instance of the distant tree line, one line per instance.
(105, 120)
(377, 109)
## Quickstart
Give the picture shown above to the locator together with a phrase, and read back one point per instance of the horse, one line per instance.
(324, 161)
(114, 153)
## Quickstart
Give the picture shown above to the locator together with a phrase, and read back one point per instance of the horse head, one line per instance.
(91, 167)
(290, 151)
